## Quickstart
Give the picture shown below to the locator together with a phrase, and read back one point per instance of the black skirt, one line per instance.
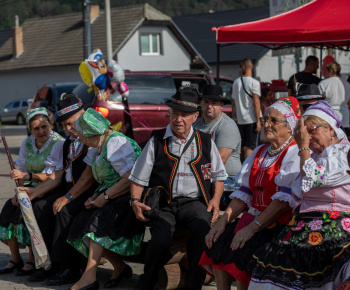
(114, 226)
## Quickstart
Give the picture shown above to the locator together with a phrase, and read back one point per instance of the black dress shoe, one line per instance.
(41, 275)
(22, 272)
(18, 265)
(67, 276)
(92, 286)
(125, 274)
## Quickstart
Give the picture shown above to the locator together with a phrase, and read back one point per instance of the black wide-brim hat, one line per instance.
(309, 92)
(186, 99)
(214, 92)
(68, 106)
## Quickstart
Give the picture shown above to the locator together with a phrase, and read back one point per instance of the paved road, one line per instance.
(7, 186)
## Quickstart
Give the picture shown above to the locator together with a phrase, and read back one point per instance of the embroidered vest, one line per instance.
(262, 181)
(35, 161)
(166, 164)
(102, 169)
(77, 165)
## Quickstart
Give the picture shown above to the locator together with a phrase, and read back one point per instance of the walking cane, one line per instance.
(41, 255)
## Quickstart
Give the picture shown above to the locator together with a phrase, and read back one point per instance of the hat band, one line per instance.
(184, 103)
(309, 97)
(69, 109)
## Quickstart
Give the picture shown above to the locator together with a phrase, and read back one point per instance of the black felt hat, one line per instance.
(309, 92)
(186, 99)
(68, 106)
(214, 92)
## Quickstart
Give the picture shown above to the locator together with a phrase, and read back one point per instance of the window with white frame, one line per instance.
(150, 44)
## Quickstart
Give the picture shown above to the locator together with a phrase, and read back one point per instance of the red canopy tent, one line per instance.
(321, 23)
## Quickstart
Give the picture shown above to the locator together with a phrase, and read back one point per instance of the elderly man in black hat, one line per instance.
(187, 164)
(75, 185)
(223, 130)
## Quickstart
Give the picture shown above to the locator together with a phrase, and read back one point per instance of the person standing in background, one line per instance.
(306, 76)
(245, 100)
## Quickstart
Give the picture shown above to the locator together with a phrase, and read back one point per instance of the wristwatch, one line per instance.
(134, 199)
(106, 196)
(69, 196)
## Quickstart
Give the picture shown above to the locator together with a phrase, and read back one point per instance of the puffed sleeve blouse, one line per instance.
(289, 171)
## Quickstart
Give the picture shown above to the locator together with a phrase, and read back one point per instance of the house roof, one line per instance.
(198, 28)
(58, 40)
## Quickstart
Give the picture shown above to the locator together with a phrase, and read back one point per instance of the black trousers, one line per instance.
(191, 213)
(55, 228)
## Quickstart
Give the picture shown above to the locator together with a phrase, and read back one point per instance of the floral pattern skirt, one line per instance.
(114, 227)
(309, 252)
(12, 225)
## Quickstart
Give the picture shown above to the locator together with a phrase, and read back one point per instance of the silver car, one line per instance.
(15, 112)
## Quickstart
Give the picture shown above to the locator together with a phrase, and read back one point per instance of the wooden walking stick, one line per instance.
(41, 255)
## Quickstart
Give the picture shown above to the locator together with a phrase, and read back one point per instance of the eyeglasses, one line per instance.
(272, 120)
(313, 130)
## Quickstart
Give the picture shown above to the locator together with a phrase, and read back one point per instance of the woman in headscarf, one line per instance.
(40, 155)
(108, 227)
(264, 198)
(313, 249)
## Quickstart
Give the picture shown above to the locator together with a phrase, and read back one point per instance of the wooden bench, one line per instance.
(172, 276)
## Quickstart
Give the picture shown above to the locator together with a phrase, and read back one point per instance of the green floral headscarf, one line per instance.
(37, 111)
(91, 123)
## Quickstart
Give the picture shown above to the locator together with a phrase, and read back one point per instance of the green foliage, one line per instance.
(30, 8)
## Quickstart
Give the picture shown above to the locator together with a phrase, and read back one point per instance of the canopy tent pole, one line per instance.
(217, 63)
(321, 58)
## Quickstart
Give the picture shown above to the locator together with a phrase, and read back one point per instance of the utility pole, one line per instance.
(108, 30)
(87, 28)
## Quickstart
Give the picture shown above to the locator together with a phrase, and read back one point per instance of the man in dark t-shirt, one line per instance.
(306, 76)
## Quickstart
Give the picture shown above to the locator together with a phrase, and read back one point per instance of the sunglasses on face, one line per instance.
(271, 120)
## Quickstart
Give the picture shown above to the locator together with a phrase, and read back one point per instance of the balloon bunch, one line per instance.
(96, 74)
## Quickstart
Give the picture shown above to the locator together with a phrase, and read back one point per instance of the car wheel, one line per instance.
(20, 120)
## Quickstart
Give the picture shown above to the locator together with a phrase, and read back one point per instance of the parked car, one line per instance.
(15, 111)
(48, 97)
(145, 110)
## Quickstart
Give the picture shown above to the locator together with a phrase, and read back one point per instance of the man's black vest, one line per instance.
(77, 166)
(166, 164)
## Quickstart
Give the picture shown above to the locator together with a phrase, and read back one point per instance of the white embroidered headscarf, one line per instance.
(289, 108)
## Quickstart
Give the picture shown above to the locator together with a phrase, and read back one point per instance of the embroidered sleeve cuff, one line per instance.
(316, 175)
(218, 177)
(245, 197)
(138, 181)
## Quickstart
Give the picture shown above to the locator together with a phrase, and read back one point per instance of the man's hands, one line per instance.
(214, 206)
(139, 208)
(94, 201)
(258, 126)
(59, 203)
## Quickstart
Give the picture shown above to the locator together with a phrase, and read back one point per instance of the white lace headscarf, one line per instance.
(287, 112)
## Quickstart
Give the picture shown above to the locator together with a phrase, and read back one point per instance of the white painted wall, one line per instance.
(266, 69)
(23, 84)
(174, 56)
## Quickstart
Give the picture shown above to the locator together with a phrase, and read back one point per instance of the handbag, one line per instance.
(155, 198)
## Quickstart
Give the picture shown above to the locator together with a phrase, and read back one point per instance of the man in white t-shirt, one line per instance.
(246, 103)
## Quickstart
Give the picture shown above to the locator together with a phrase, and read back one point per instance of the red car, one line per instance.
(148, 92)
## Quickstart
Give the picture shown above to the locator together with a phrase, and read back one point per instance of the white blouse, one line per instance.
(53, 161)
(120, 154)
(289, 171)
(327, 169)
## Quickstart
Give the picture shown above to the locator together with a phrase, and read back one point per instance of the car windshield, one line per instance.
(148, 89)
